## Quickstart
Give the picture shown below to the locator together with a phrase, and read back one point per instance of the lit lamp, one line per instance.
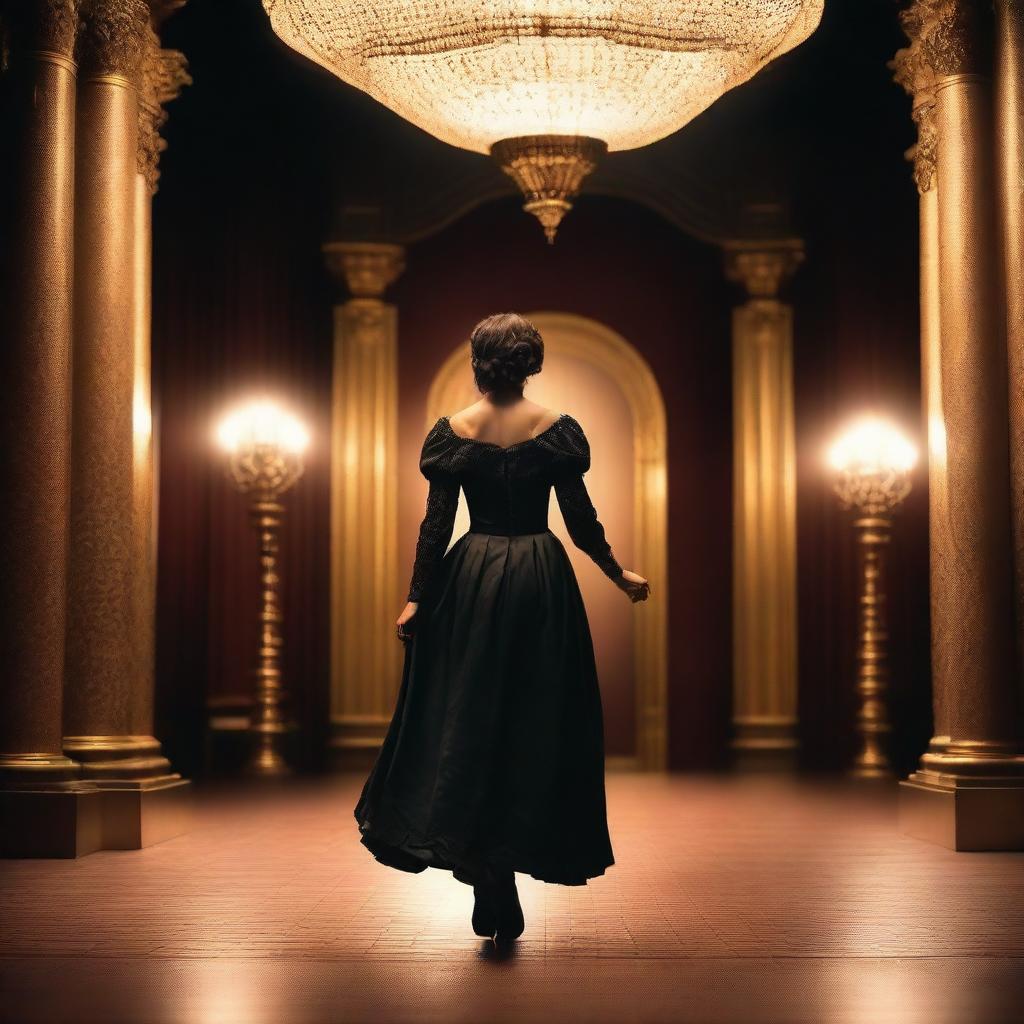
(264, 446)
(546, 87)
(872, 461)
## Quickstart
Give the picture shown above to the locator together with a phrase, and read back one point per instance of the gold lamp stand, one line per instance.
(264, 447)
(872, 462)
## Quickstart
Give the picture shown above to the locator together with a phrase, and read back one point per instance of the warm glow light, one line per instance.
(627, 72)
(142, 417)
(872, 445)
(261, 424)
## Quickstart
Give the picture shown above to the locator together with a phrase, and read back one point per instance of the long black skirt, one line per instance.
(494, 757)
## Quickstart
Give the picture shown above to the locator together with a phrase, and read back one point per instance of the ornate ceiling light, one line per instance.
(545, 86)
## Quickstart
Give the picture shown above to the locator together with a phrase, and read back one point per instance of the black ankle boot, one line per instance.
(485, 914)
(510, 921)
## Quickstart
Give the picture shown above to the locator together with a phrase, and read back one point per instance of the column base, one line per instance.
(37, 771)
(764, 744)
(118, 757)
(976, 814)
(84, 817)
(355, 741)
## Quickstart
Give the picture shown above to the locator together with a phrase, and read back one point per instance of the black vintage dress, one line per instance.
(495, 752)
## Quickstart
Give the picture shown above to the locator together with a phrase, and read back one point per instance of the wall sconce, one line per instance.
(872, 461)
(264, 446)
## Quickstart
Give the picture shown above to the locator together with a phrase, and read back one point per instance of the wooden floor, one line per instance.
(730, 901)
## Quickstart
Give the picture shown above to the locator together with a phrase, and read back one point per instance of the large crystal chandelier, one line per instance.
(545, 86)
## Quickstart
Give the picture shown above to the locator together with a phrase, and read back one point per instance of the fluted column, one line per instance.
(365, 588)
(764, 508)
(35, 377)
(969, 794)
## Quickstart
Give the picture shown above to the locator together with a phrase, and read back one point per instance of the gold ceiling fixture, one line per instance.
(545, 86)
(549, 170)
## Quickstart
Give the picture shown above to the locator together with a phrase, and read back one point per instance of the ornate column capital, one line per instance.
(365, 268)
(762, 266)
(112, 37)
(947, 38)
(163, 75)
(917, 76)
(47, 26)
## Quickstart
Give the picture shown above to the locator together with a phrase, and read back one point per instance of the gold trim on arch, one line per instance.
(591, 342)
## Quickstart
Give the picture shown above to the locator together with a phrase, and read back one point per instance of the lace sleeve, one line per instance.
(442, 504)
(584, 527)
(435, 532)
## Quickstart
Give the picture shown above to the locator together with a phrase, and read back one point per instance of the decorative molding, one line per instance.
(593, 343)
(947, 37)
(549, 170)
(365, 268)
(763, 266)
(163, 75)
(926, 152)
(917, 77)
(112, 37)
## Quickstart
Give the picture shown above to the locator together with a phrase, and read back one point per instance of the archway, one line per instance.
(591, 343)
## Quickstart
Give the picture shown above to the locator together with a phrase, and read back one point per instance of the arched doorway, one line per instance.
(590, 366)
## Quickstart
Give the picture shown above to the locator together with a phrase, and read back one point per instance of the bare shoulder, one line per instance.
(480, 419)
(547, 418)
(468, 421)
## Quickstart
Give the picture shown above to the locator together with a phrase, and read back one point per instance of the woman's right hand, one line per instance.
(635, 586)
(408, 612)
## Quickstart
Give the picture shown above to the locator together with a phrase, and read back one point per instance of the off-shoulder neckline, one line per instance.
(503, 447)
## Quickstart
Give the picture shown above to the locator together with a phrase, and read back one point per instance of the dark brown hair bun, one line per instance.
(506, 349)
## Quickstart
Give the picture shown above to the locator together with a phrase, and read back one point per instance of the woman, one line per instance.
(494, 759)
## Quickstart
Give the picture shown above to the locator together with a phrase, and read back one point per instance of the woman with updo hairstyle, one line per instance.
(494, 759)
(505, 350)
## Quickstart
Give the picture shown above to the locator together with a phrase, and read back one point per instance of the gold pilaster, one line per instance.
(764, 508)
(35, 377)
(969, 794)
(365, 589)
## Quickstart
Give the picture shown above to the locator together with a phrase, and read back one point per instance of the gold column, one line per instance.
(915, 75)
(39, 805)
(1009, 135)
(764, 508)
(110, 566)
(366, 592)
(969, 794)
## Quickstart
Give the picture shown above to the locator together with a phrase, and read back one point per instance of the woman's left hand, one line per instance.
(404, 629)
(636, 586)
